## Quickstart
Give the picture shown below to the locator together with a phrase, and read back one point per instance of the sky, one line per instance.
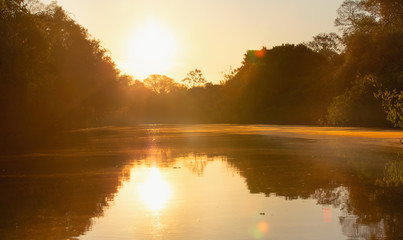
(173, 37)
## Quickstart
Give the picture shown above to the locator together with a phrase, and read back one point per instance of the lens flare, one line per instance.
(260, 53)
(327, 215)
(261, 230)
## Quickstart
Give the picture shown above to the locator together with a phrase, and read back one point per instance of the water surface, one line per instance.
(205, 182)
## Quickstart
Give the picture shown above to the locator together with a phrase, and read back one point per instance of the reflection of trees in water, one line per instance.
(393, 175)
(377, 205)
(351, 224)
(354, 229)
(159, 157)
(343, 177)
(335, 173)
(380, 217)
(56, 197)
(338, 197)
(196, 163)
(361, 217)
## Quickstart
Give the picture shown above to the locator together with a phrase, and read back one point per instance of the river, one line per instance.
(206, 182)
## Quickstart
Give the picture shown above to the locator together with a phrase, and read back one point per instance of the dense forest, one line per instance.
(54, 76)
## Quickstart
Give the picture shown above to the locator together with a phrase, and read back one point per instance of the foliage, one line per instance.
(53, 75)
(357, 106)
(352, 15)
(329, 45)
(277, 85)
(228, 75)
(392, 103)
(373, 38)
(194, 78)
(161, 84)
(388, 12)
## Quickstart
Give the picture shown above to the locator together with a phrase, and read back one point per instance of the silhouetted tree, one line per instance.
(351, 16)
(356, 106)
(329, 45)
(228, 75)
(53, 75)
(275, 86)
(161, 84)
(392, 103)
(194, 78)
(373, 38)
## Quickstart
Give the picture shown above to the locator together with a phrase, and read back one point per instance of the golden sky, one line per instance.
(172, 37)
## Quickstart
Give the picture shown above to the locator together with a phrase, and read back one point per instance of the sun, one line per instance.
(152, 49)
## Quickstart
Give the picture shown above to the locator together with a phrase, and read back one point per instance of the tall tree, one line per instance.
(53, 75)
(373, 36)
(330, 45)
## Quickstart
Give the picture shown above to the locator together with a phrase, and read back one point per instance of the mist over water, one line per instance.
(205, 182)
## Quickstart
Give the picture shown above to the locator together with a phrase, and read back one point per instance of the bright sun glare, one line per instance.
(151, 50)
(155, 191)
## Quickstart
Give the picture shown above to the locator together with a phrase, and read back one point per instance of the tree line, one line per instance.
(54, 76)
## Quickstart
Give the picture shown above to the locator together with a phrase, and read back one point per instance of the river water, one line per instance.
(206, 182)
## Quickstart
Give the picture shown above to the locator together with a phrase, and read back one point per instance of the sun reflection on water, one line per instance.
(155, 191)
